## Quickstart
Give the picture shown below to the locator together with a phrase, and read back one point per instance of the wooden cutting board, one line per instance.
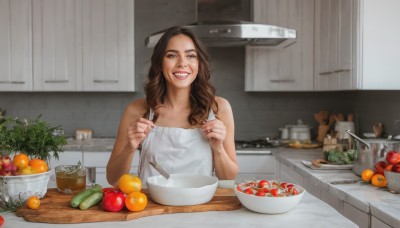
(55, 208)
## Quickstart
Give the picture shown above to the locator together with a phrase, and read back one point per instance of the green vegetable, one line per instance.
(338, 157)
(93, 199)
(81, 196)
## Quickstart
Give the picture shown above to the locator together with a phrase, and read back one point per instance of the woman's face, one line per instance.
(180, 62)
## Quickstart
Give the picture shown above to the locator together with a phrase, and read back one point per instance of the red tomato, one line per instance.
(239, 188)
(275, 192)
(263, 183)
(283, 185)
(289, 186)
(266, 190)
(294, 191)
(260, 193)
(113, 200)
(249, 191)
(1, 221)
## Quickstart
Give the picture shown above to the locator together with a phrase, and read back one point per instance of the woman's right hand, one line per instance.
(138, 130)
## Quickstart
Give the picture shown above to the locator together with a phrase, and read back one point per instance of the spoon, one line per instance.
(159, 169)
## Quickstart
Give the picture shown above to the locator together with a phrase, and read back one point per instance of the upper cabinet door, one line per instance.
(108, 45)
(15, 45)
(57, 45)
(289, 68)
(334, 44)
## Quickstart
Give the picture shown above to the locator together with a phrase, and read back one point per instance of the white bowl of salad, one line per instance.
(269, 196)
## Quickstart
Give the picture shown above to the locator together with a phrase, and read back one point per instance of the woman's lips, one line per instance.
(181, 75)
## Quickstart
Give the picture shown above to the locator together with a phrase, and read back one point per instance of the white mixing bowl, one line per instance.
(24, 186)
(182, 189)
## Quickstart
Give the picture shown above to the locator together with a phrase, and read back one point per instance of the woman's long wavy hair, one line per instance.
(202, 93)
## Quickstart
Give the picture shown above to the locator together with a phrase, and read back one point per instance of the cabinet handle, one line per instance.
(12, 82)
(282, 80)
(325, 73)
(56, 81)
(341, 70)
(105, 81)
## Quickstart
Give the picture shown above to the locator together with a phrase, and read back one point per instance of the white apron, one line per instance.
(176, 150)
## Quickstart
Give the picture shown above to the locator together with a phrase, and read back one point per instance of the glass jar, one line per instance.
(70, 179)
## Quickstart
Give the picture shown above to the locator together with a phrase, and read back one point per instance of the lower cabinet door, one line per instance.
(356, 215)
(377, 223)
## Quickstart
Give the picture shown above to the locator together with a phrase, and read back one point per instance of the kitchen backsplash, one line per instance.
(256, 115)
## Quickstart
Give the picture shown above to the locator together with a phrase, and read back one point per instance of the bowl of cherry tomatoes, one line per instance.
(269, 196)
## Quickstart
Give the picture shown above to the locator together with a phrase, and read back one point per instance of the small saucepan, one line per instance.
(370, 151)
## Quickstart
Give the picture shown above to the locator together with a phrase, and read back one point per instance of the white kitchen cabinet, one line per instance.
(335, 44)
(333, 200)
(377, 223)
(108, 45)
(312, 186)
(57, 45)
(284, 69)
(84, 45)
(259, 166)
(15, 45)
(357, 216)
(356, 46)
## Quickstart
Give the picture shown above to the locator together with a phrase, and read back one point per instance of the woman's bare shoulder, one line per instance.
(223, 104)
(136, 108)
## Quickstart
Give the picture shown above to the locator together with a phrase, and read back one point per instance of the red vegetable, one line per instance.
(113, 200)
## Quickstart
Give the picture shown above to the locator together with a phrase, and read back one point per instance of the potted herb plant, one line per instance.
(34, 137)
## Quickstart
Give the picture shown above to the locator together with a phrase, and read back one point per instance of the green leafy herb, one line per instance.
(338, 157)
(34, 137)
(11, 204)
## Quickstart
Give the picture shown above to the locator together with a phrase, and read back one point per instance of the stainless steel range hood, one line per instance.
(235, 33)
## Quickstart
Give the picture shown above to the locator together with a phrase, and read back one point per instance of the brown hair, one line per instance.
(202, 93)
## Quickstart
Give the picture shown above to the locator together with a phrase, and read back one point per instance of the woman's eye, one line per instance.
(193, 56)
(170, 56)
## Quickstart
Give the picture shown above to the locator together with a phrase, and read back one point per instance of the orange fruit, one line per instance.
(33, 202)
(38, 165)
(378, 180)
(21, 161)
(136, 201)
(367, 175)
(129, 183)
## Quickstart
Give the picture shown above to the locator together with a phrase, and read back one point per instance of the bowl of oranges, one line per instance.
(22, 177)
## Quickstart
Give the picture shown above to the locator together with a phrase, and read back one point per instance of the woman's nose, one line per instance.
(182, 62)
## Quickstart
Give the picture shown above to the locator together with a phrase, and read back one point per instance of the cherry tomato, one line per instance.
(266, 190)
(33, 202)
(239, 188)
(136, 201)
(260, 193)
(283, 185)
(275, 192)
(249, 191)
(289, 186)
(1, 221)
(294, 191)
(113, 200)
(263, 183)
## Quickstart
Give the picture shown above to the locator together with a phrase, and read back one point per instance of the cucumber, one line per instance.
(81, 196)
(91, 200)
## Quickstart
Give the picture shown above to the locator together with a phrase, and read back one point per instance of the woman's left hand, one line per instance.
(215, 131)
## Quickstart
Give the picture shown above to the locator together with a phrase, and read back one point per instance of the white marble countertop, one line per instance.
(367, 198)
(311, 212)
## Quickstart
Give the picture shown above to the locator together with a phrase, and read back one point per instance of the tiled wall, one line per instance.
(256, 115)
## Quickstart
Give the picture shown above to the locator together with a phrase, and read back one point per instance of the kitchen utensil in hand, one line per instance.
(159, 169)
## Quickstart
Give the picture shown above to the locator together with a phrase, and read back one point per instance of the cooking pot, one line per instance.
(370, 151)
(299, 132)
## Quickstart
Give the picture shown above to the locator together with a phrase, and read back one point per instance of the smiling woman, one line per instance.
(181, 124)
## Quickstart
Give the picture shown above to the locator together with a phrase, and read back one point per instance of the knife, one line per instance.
(351, 181)
(159, 169)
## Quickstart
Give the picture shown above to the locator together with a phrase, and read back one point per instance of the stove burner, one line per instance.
(259, 143)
